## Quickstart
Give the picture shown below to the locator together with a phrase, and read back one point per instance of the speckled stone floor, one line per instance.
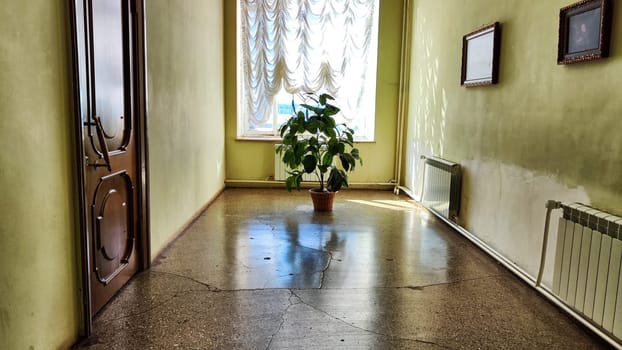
(260, 270)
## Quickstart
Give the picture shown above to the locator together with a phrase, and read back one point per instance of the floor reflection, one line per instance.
(260, 270)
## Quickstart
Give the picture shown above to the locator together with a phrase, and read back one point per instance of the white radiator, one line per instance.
(441, 187)
(280, 170)
(588, 261)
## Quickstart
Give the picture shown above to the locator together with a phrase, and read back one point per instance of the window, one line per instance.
(287, 47)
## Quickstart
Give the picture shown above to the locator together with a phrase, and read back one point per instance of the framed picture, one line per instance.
(480, 56)
(584, 31)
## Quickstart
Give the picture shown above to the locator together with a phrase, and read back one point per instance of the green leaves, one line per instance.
(327, 159)
(309, 163)
(347, 161)
(288, 157)
(324, 97)
(330, 110)
(311, 139)
(355, 154)
(336, 180)
(350, 138)
(293, 180)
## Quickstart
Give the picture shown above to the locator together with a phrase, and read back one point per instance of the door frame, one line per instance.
(79, 81)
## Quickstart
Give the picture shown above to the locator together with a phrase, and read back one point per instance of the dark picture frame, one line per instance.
(584, 31)
(480, 56)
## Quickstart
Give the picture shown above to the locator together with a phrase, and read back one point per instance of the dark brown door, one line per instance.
(110, 145)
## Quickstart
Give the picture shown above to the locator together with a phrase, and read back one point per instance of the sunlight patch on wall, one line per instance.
(427, 129)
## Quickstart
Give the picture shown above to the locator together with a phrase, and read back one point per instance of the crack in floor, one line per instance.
(391, 337)
(321, 251)
(322, 272)
(386, 299)
(448, 283)
(295, 299)
(139, 313)
(291, 295)
(321, 286)
(209, 287)
(323, 275)
(265, 285)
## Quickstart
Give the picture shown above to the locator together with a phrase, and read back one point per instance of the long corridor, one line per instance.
(260, 270)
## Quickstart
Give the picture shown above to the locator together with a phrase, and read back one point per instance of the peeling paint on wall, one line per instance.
(503, 205)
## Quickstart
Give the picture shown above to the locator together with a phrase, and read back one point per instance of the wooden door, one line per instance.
(109, 90)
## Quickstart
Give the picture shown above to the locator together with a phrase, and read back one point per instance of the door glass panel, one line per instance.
(108, 70)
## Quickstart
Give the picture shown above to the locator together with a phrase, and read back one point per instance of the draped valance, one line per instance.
(307, 46)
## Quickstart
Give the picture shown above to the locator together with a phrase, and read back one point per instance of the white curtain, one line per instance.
(307, 46)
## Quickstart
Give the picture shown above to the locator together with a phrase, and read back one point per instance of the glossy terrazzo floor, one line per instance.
(260, 270)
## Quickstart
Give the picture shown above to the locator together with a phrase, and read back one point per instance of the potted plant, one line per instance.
(312, 141)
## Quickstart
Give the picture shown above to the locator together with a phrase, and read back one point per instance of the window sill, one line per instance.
(274, 139)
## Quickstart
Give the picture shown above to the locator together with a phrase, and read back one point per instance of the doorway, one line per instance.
(109, 79)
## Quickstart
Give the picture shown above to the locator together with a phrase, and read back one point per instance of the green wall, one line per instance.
(254, 160)
(39, 278)
(185, 111)
(544, 132)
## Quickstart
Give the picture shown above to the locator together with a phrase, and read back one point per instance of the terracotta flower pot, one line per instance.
(322, 201)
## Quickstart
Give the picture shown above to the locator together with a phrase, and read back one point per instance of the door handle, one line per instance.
(102, 142)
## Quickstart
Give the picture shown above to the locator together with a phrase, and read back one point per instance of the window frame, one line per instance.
(243, 131)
